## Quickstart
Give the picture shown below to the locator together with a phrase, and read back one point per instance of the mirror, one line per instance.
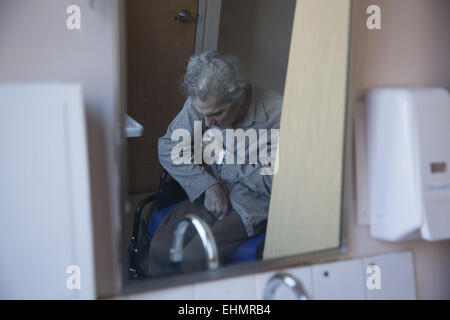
(232, 164)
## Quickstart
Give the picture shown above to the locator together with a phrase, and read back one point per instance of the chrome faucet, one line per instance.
(286, 279)
(206, 236)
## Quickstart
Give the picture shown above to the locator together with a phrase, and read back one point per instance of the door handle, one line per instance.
(184, 16)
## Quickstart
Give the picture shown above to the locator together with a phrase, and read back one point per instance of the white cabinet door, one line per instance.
(45, 214)
(396, 272)
(341, 280)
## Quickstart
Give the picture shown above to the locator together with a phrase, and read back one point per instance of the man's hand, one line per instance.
(216, 201)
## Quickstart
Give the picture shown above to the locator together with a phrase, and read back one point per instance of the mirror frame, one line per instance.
(126, 286)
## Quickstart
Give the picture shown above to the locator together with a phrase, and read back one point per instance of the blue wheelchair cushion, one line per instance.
(157, 219)
(247, 251)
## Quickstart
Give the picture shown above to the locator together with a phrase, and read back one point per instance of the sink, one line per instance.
(133, 129)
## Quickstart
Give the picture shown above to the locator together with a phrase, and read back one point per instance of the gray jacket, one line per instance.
(248, 189)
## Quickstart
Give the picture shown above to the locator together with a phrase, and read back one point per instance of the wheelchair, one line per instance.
(169, 195)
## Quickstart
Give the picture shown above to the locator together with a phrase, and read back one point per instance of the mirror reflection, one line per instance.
(205, 95)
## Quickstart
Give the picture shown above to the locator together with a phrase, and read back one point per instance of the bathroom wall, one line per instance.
(36, 46)
(259, 33)
(411, 49)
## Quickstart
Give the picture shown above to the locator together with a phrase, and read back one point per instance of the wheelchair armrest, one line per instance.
(133, 247)
(138, 213)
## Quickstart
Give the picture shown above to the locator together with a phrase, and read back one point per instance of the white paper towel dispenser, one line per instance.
(407, 134)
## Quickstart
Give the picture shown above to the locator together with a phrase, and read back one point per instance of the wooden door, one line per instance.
(158, 49)
(305, 206)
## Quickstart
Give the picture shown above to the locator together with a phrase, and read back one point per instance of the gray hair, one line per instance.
(214, 73)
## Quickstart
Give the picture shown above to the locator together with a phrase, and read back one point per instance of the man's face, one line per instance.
(216, 112)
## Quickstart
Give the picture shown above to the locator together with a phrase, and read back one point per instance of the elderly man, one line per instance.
(232, 198)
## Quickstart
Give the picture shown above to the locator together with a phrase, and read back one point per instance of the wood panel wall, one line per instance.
(305, 208)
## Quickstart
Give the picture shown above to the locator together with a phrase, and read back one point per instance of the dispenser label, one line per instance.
(437, 187)
(437, 191)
